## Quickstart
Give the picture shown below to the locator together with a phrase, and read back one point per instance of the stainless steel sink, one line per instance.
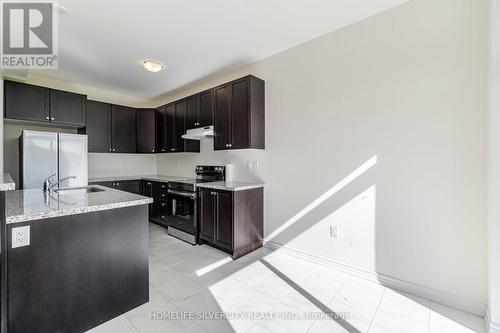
(79, 190)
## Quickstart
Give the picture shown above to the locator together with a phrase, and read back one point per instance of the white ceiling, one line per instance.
(101, 42)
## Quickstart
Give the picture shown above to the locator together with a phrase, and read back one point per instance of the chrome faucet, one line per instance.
(48, 186)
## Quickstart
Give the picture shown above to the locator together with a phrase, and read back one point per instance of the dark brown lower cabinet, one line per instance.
(232, 221)
(132, 186)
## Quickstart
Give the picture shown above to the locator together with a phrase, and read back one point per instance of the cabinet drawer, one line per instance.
(160, 191)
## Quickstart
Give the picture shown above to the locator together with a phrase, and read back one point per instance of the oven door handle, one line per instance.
(182, 194)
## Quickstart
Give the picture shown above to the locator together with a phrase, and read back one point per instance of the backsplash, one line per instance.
(248, 164)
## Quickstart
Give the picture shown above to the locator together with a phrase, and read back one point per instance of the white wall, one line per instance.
(407, 86)
(494, 165)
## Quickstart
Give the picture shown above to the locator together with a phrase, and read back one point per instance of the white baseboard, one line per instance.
(388, 281)
(491, 327)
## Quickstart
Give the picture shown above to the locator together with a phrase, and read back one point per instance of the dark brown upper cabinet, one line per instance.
(98, 127)
(179, 126)
(239, 114)
(123, 129)
(206, 109)
(67, 108)
(26, 102)
(171, 127)
(200, 110)
(40, 104)
(192, 111)
(146, 130)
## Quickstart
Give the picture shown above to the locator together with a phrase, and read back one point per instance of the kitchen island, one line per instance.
(86, 261)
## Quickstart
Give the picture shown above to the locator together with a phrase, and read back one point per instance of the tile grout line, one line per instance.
(376, 310)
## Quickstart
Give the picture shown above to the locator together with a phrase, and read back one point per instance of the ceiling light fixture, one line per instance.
(153, 65)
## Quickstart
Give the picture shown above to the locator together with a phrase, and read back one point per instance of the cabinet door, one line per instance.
(207, 215)
(180, 129)
(67, 108)
(170, 127)
(161, 129)
(146, 131)
(132, 186)
(123, 135)
(206, 108)
(222, 117)
(192, 111)
(224, 219)
(26, 102)
(240, 115)
(106, 184)
(98, 127)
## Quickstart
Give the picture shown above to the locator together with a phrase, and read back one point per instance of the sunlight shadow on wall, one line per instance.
(322, 198)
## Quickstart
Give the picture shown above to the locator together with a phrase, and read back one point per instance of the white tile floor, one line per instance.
(283, 293)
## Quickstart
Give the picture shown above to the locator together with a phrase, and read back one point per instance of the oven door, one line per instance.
(181, 213)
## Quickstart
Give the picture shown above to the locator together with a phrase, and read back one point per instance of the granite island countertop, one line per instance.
(154, 178)
(7, 183)
(230, 186)
(30, 205)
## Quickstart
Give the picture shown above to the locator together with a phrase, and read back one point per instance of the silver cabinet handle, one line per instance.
(230, 145)
(52, 118)
(152, 150)
(172, 149)
(109, 149)
(47, 118)
(163, 150)
(163, 186)
(148, 183)
(117, 184)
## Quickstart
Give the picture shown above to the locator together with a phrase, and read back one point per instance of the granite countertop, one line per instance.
(29, 205)
(7, 183)
(230, 186)
(154, 178)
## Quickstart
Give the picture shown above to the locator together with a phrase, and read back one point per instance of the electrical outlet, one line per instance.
(334, 231)
(20, 236)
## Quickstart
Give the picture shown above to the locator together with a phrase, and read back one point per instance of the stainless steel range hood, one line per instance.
(199, 133)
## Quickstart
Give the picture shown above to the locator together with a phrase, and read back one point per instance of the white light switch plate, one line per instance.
(20, 236)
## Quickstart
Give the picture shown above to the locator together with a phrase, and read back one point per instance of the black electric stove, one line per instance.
(182, 218)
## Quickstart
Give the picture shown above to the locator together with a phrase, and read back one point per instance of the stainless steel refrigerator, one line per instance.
(46, 153)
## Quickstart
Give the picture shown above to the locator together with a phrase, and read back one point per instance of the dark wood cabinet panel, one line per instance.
(240, 136)
(146, 130)
(67, 108)
(232, 221)
(162, 130)
(123, 129)
(239, 114)
(224, 219)
(170, 127)
(207, 214)
(78, 271)
(222, 117)
(179, 127)
(192, 111)
(206, 108)
(98, 127)
(132, 186)
(26, 102)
